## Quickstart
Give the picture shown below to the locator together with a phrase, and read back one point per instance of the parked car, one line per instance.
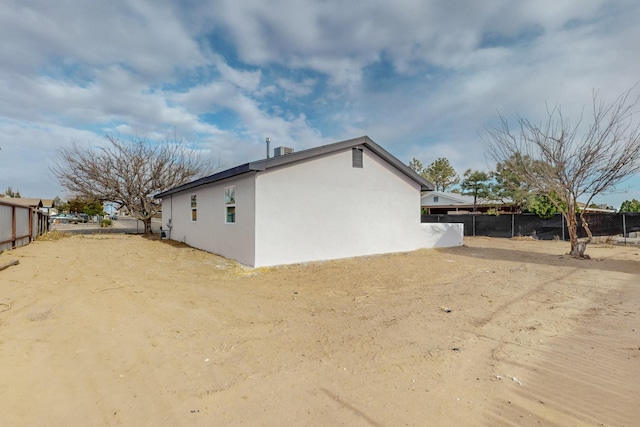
(65, 218)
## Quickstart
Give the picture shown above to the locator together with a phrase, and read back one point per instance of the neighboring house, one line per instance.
(592, 209)
(49, 206)
(438, 203)
(43, 205)
(26, 201)
(346, 199)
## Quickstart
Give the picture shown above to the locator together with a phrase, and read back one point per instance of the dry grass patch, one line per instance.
(53, 235)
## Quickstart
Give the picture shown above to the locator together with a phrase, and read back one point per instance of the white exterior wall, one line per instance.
(323, 208)
(440, 235)
(210, 232)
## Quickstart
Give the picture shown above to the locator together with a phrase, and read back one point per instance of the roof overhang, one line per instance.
(272, 162)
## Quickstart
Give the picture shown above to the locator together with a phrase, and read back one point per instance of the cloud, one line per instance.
(420, 77)
(141, 34)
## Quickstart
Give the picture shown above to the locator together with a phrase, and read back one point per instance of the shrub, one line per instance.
(53, 235)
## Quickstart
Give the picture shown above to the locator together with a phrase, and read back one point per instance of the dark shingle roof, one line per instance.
(264, 164)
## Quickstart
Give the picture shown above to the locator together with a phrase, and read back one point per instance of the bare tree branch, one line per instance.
(129, 173)
(567, 161)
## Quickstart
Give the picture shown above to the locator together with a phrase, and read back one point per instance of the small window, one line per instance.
(435, 199)
(194, 208)
(356, 155)
(230, 204)
(230, 195)
(231, 214)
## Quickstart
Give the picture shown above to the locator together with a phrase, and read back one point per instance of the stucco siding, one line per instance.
(211, 232)
(326, 209)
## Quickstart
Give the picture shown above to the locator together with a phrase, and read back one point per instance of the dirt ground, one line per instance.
(121, 330)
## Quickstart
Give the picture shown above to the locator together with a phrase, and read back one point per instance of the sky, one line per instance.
(422, 78)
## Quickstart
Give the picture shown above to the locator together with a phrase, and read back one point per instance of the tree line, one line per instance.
(498, 186)
(551, 164)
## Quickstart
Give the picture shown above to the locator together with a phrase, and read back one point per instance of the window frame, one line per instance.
(230, 204)
(194, 208)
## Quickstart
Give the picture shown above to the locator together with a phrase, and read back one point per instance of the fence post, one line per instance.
(513, 226)
(624, 227)
(473, 218)
(562, 218)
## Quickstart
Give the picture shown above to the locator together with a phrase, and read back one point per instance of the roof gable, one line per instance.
(264, 164)
(24, 201)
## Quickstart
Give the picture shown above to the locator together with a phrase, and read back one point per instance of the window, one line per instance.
(231, 214)
(435, 199)
(194, 208)
(356, 157)
(230, 204)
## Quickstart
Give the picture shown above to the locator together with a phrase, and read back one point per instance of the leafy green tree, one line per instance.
(507, 185)
(476, 184)
(12, 194)
(441, 174)
(630, 206)
(76, 205)
(416, 166)
(542, 205)
(85, 205)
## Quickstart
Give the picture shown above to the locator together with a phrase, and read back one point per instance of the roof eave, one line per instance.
(264, 164)
(229, 173)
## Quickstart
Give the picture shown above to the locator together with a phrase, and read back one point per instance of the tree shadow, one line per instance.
(560, 260)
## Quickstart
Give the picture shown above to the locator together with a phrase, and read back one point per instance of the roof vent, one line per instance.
(282, 151)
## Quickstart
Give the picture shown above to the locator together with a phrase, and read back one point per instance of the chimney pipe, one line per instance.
(268, 141)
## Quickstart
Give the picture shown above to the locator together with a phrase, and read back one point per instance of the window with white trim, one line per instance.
(435, 199)
(194, 208)
(230, 204)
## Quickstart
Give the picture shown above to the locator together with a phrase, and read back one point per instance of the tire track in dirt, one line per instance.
(586, 377)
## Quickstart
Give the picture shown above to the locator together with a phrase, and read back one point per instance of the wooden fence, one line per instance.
(20, 225)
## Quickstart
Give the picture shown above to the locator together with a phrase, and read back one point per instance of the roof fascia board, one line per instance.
(229, 173)
(264, 164)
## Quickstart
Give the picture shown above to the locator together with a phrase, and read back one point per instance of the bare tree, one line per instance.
(568, 162)
(129, 173)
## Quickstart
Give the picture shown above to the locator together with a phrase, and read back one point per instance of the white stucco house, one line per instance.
(346, 199)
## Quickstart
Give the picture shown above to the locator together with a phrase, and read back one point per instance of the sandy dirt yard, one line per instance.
(122, 330)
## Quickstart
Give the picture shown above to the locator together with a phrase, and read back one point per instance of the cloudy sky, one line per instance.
(420, 77)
